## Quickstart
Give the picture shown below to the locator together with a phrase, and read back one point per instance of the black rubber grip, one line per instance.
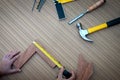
(67, 74)
(38, 4)
(113, 22)
(59, 10)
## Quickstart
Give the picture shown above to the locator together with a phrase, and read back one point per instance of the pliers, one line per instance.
(39, 6)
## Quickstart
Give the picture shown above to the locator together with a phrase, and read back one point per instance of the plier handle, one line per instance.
(39, 6)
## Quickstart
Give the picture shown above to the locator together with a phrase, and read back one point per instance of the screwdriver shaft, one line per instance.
(76, 18)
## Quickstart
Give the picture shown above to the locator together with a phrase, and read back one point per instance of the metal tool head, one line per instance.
(83, 33)
(40, 5)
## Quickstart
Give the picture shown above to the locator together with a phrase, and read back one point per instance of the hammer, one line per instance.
(83, 33)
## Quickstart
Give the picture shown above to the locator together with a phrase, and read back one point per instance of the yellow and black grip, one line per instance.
(104, 25)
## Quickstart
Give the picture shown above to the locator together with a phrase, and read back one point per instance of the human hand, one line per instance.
(7, 61)
(60, 75)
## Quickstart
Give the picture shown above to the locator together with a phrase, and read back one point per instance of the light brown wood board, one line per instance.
(29, 52)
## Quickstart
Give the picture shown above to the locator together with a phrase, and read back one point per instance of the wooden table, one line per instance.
(19, 26)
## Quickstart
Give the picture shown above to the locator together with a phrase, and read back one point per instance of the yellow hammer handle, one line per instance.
(47, 54)
(97, 28)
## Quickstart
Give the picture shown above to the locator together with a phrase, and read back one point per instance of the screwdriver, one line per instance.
(91, 8)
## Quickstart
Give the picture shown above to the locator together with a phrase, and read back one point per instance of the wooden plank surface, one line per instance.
(25, 56)
(19, 26)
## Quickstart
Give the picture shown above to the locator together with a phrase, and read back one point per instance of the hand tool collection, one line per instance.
(39, 6)
(58, 5)
(65, 73)
(91, 8)
(83, 33)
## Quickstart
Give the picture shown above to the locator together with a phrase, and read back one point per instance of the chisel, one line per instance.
(91, 8)
(65, 73)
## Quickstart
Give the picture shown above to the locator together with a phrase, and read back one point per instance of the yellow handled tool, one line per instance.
(97, 28)
(65, 73)
(104, 25)
(65, 1)
(84, 33)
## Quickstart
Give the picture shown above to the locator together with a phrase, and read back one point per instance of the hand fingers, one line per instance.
(60, 73)
(13, 53)
(7, 55)
(14, 58)
(14, 70)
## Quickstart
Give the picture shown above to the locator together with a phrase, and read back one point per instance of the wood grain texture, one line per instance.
(19, 26)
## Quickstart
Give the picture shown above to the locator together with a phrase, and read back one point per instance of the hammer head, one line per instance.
(83, 33)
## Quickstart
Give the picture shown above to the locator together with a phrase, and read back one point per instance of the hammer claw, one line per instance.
(83, 33)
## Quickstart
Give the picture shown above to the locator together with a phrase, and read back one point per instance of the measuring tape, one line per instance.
(47, 54)
(64, 1)
(65, 72)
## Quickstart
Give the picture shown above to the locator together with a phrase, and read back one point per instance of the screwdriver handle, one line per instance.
(96, 5)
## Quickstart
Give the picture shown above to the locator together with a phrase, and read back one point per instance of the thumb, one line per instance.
(61, 72)
(14, 70)
(73, 75)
